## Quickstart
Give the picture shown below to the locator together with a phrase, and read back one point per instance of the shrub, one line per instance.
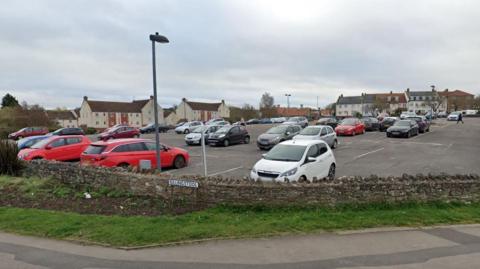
(9, 162)
(90, 131)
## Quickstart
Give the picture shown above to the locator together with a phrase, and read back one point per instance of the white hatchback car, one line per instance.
(319, 132)
(296, 160)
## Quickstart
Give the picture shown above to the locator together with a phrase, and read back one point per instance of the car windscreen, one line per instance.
(388, 120)
(287, 153)
(403, 123)
(310, 131)
(223, 130)
(95, 149)
(348, 122)
(277, 130)
(41, 144)
(199, 129)
(415, 118)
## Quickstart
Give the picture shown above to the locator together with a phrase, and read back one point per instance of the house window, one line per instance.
(96, 114)
(414, 98)
(104, 114)
(104, 123)
(96, 123)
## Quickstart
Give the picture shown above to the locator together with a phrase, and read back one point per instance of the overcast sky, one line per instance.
(55, 52)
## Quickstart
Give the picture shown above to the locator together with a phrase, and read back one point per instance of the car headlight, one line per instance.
(221, 136)
(254, 170)
(276, 139)
(290, 172)
(25, 155)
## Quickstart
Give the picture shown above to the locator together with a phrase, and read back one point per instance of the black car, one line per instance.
(332, 122)
(403, 128)
(253, 121)
(265, 121)
(162, 128)
(68, 131)
(229, 135)
(371, 123)
(386, 123)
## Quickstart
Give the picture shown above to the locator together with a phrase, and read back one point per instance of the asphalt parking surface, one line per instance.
(447, 148)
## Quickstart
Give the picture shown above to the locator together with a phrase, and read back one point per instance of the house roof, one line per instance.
(363, 99)
(401, 96)
(60, 115)
(421, 93)
(168, 111)
(122, 107)
(455, 93)
(203, 106)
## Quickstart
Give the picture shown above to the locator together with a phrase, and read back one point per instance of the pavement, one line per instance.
(438, 247)
(447, 148)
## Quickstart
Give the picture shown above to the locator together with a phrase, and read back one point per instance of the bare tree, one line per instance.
(266, 105)
(435, 102)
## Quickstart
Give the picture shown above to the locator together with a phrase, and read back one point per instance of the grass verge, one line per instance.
(229, 221)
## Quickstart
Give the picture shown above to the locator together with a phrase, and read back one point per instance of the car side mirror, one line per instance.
(311, 159)
(48, 147)
(264, 155)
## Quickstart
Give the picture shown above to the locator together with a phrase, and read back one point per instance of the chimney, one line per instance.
(184, 99)
(391, 92)
(433, 88)
(408, 89)
(223, 101)
(341, 95)
(446, 90)
(151, 97)
(301, 105)
(85, 98)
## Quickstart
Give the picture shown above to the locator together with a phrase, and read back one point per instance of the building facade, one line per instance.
(103, 114)
(191, 111)
(422, 102)
(455, 100)
(63, 118)
(348, 106)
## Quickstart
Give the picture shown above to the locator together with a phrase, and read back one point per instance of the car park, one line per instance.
(279, 120)
(453, 116)
(276, 135)
(422, 122)
(371, 123)
(150, 128)
(330, 121)
(119, 132)
(130, 152)
(229, 135)
(58, 148)
(302, 121)
(68, 131)
(403, 128)
(296, 160)
(187, 127)
(386, 123)
(319, 132)
(195, 136)
(27, 142)
(28, 131)
(350, 126)
(253, 121)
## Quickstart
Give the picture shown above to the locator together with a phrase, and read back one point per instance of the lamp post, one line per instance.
(160, 39)
(288, 101)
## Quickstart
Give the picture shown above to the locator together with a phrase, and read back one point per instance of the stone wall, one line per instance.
(211, 191)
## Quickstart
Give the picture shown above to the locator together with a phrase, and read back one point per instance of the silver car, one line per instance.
(276, 135)
(319, 132)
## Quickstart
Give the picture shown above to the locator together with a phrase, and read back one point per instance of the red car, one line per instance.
(119, 132)
(28, 131)
(129, 152)
(58, 148)
(350, 126)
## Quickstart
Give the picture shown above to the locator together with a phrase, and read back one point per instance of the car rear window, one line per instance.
(95, 149)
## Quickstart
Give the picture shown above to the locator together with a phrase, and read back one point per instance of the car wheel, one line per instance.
(331, 172)
(353, 133)
(37, 158)
(246, 140)
(363, 131)
(179, 162)
(226, 143)
(302, 179)
(388, 134)
(186, 131)
(335, 144)
(136, 136)
(408, 134)
(428, 130)
(123, 165)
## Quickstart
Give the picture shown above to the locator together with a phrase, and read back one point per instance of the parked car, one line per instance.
(296, 160)
(129, 152)
(386, 123)
(422, 122)
(319, 132)
(229, 135)
(119, 132)
(330, 121)
(213, 121)
(187, 127)
(371, 123)
(150, 128)
(279, 120)
(220, 123)
(403, 128)
(453, 116)
(195, 136)
(350, 126)
(302, 121)
(242, 123)
(407, 114)
(265, 121)
(68, 131)
(58, 148)
(28, 131)
(276, 135)
(27, 142)
(253, 121)
(442, 114)
(115, 127)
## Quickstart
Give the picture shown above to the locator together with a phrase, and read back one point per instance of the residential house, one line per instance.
(202, 111)
(63, 118)
(170, 116)
(422, 101)
(455, 100)
(104, 114)
(390, 102)
(348, 106)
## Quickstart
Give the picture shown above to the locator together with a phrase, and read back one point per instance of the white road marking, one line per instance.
(370, 152)
(209, 156)
(422, 143)
(225, 171)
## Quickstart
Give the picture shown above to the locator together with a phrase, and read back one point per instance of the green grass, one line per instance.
(229, 221)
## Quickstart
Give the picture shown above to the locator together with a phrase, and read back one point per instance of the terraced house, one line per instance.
(348, 106)
(202, 111)
(104, 114)
(63, 118)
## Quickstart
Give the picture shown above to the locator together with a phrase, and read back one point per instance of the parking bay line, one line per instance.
(225, 171)
(365, 154)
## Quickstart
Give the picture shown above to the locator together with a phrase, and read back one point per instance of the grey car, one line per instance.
(276, 135)
(319, 132)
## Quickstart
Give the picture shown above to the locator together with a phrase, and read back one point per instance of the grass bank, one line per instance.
(228, 221)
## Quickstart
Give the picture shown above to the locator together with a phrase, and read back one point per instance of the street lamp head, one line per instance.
(158, 38)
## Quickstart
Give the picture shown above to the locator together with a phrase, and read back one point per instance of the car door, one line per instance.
(55, 150)
(235, 135)
(324, 136)
(311, 168)
(73, 148)
(359, 127)
(166, 156)
(289, 133)
(323, 164)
